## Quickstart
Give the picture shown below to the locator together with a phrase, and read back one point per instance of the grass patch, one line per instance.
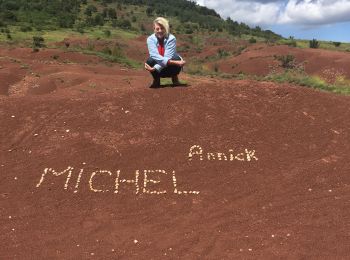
(114, 58)
(167, 81)
(341, 86)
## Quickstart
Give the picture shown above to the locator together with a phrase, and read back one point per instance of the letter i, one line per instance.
(78, 180)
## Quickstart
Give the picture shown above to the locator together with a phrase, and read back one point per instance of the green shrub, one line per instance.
(25, 28)
(287, 61)
(149, 11)
(314, 44)
(90, 9)
(107, 33)
(336, 44)
(112, 14)
(216, 67)
(98, 20)
(9, 16)
(126, 24)
(107, 51)
(38, 42)
(252, 40)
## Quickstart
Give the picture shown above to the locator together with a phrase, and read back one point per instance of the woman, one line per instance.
(163, 61)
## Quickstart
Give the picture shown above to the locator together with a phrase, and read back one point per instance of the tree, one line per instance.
(38, 42)
(112, 14)
(90, 9)
(314, 44)
(149, 11)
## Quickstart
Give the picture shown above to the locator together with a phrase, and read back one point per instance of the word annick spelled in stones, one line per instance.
(196, 153)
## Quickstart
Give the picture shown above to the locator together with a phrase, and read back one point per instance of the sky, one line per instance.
(327, 20)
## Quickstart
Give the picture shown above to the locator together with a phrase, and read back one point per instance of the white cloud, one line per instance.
(249, 12)
(268, 12)
(319, 12)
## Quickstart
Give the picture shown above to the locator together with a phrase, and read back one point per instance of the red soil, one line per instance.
(259, 60)
(289, 201)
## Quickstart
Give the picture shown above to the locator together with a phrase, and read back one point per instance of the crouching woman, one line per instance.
(163, 62)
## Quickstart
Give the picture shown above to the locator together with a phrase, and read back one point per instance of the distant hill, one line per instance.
(126, 14)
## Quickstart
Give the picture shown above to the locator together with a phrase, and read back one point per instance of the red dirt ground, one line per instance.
(259, 60)
(289, 200)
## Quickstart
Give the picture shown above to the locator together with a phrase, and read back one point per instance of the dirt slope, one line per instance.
(260, 59)
(267, 175)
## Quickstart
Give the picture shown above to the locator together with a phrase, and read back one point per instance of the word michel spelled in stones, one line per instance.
(139, 186)
(196, 152)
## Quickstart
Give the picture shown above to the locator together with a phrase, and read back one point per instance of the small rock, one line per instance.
(135, 241)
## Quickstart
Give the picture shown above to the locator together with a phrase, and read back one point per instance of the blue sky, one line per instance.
(302, 19)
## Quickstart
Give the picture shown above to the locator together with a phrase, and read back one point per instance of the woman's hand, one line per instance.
(149, 68)
(179, 63)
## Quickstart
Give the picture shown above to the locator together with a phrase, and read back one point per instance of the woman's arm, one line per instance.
(154, 54)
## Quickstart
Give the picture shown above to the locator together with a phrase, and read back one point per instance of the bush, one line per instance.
(98, 20)
(292, 42)
(222, 53)
(107, 33)
(26, 28)
(66, 21)
(287, 61)
(216, 67)
(90, 9)
(112, 14)
(126, 24)
(10, 16)
(336, 44)
(38, 42)
(11, 5)
(252, 40)
(149, 11)
(117, 51)
(107, 51)
(314, 44)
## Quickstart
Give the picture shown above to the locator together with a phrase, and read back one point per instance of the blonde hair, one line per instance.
(164, 23)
